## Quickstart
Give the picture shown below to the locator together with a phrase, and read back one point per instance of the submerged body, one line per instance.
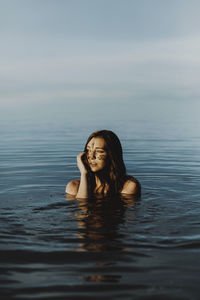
(102, 169)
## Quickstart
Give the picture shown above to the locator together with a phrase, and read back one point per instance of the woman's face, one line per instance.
(96, 154)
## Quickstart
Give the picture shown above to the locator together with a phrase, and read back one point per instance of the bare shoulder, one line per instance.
(131, 187)
(72, 187)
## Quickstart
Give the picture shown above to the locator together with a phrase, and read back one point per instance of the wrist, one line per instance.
(84, 173)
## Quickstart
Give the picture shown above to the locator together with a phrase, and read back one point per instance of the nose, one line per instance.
(92, 155)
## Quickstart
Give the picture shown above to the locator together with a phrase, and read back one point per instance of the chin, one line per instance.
(96, 169)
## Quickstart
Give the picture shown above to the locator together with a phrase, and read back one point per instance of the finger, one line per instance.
(80, 157)
(81, 154)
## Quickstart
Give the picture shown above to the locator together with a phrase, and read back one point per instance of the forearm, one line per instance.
(83, 187)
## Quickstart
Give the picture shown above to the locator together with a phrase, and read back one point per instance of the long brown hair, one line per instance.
(114, 174)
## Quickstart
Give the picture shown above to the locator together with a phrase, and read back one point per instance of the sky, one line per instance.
(57, 53)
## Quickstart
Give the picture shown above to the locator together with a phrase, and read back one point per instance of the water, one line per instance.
(53, 248)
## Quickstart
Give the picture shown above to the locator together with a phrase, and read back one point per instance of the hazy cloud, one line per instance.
(98, 49)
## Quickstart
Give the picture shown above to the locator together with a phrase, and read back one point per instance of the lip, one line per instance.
(93, 164)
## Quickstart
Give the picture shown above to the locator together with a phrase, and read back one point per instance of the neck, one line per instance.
(101, 187)
(98, 181)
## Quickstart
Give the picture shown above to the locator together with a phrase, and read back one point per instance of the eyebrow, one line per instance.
(96, 147)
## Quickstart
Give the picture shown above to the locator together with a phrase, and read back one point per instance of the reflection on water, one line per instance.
(98, 231)
(104, 278)
(99, 220)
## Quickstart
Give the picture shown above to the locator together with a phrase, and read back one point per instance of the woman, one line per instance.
(102, 169)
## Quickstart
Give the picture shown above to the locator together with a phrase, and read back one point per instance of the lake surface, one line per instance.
(53, 248)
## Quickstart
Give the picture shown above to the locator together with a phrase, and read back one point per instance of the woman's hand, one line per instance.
(81, 163)
(83, 186)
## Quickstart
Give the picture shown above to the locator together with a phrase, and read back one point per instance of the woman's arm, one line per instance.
(83, 187)
(79, 188)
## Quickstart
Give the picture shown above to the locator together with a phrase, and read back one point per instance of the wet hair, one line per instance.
(114, 173)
